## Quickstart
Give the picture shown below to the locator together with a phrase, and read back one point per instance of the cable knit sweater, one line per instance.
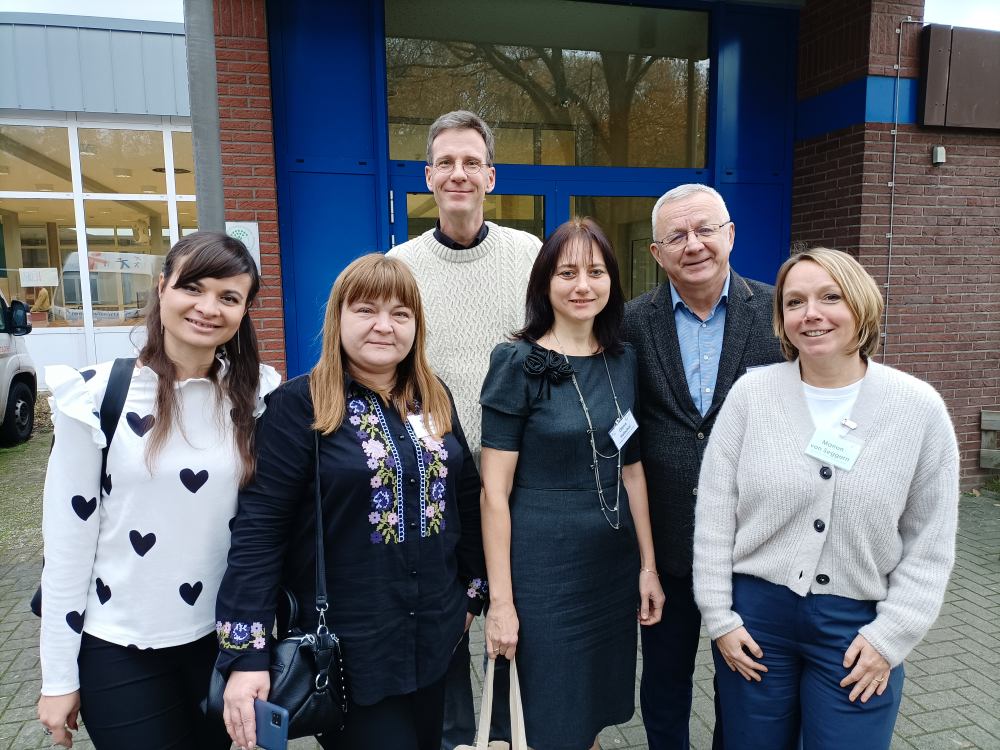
(473, 299)
(888, 525)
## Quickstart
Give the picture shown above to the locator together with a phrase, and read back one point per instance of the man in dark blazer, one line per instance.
(694, 335)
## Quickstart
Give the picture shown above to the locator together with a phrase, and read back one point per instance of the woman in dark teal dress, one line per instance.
(565, 518)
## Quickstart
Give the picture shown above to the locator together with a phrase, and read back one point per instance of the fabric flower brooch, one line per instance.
(551, 368)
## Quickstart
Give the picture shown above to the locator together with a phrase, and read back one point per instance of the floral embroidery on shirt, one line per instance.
(478, 589)
(382, 457)
(240, 636)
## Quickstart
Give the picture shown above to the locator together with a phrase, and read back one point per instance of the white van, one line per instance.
(18, 381)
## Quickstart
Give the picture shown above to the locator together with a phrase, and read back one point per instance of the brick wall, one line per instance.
(245, 125)
(944, 291)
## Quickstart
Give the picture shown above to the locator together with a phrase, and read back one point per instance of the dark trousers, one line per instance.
(668, 655)
(401, 722)
(459, 710)
(150, 698)
(799, 701)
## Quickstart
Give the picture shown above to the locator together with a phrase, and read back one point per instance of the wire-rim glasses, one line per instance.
(678, 240)
(469, 166)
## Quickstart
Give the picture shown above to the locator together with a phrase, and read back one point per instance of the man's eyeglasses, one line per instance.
(447, 166)
(678, 240)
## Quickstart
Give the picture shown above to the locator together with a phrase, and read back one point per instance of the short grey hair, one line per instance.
(461, 119)
(686, 191)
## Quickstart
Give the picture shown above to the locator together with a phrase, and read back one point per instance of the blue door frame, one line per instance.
(334, 173)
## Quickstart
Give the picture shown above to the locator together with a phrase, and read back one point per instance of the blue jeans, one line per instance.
(668, 655)
(799, 701)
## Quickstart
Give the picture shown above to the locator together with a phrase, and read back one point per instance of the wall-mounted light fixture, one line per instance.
(938, 156)
(149, 188)
(121, 172)
(87, 149)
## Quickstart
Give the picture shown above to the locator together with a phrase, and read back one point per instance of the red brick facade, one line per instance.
(248, 176)
(944, 290)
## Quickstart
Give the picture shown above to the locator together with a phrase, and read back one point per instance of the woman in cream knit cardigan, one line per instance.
(825, 524)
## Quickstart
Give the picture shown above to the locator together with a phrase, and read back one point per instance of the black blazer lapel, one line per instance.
(663, 332)
(741, 317)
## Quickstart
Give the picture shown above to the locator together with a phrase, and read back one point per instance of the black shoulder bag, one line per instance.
(111, 411)
(307, 672)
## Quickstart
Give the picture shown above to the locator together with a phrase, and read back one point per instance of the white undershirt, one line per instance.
(830, 406)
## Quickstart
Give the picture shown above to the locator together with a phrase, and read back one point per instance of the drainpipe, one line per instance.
(199, 30)
(892, 180)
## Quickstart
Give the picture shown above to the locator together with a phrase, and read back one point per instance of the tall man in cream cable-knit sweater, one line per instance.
(472, 276)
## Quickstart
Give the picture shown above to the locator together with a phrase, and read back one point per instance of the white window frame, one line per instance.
(73, 122)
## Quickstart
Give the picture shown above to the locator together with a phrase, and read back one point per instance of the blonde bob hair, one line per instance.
(861, 294)
(375, 277)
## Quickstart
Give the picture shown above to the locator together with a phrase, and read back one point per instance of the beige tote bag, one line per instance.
(486, 711)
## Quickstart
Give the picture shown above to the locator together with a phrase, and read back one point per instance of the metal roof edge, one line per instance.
(92, 22)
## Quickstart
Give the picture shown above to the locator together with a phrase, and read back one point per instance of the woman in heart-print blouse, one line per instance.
(134, 554)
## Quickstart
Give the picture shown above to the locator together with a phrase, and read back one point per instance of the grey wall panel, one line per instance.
(62, 48)
(126, 57)
(8, 81)
(157, 73)
(85, 69)
(182, 101)
(31, 68)
(96, 70)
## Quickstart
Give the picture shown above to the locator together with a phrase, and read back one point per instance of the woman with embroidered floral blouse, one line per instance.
(400, 499)
(135, 544)
(565, 515)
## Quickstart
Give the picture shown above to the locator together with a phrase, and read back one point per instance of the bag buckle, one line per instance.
(321, 628)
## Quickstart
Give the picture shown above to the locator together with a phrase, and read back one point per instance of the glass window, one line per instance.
(122, 161)
(38, 236)
(126, 243)
(561, 82)
(627, 222)
(183, 162)
(524, 212)
(34, 158)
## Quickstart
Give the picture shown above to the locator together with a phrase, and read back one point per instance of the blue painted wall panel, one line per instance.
(868, 99)
(759, 212)
(324, 243)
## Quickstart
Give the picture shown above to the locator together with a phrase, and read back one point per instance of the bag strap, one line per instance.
(517, 736)
(321, 600)
(112, 405)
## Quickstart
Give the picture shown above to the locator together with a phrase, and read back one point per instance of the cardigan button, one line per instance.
(826, 472)
(701, 435)
(822, 579)
(694, 491)
(819, 525)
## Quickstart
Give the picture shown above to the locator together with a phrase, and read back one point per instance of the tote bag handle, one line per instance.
(518, 741)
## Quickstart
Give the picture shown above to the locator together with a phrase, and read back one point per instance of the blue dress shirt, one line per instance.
(701, 345)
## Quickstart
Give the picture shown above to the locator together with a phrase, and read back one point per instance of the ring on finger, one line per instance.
(46, 730)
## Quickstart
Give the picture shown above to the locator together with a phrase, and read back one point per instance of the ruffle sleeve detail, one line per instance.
(73, 398)
(505, 387)
(269, 380)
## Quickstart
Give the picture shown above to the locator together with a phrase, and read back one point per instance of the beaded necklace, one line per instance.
(594, 453)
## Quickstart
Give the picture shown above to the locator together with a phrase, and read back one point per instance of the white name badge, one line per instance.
(417, 425)
(839, 450)
(623, 429)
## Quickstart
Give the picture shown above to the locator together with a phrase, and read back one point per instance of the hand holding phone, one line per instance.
(272, 725)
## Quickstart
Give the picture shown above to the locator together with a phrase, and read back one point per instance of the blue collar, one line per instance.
(675, 298)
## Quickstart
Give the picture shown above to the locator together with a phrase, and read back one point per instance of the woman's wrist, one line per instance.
(648, 570)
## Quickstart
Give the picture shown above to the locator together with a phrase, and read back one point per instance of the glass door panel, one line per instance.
(627, 222)
(524, 212)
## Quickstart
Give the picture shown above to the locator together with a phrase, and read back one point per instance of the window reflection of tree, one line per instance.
(624, 109)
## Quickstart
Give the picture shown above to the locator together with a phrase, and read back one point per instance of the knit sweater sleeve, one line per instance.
(927, 529)
(715, 514)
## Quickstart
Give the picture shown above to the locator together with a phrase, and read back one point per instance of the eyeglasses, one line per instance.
(678, 240)
(470, 166)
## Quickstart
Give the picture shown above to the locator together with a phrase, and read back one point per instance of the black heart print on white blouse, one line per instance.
(140, 425)
(192, 481)
(103, 591)
(140, 543)
(190, 593)
(83, 507)
(75, 621)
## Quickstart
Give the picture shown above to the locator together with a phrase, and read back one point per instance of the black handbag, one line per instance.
(307, 671)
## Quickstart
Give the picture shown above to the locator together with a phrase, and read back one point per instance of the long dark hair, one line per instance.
(538, 315)
(197, 256)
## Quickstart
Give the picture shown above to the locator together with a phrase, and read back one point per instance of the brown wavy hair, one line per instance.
(375, 277)
(197, 256)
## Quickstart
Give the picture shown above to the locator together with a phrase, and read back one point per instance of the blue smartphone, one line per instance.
(272, 725)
